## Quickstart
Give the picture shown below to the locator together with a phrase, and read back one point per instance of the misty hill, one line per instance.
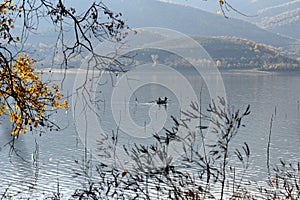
(277, 16)
(250, 8)
(195, 22)
(283, 19)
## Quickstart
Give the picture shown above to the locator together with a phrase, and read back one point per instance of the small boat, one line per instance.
(162, 101)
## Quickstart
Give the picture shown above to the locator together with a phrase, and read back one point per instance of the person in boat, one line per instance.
(162, 101)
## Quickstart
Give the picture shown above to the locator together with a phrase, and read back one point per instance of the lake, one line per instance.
(45, 163)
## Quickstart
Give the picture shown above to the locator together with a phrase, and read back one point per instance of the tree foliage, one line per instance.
(26, 97)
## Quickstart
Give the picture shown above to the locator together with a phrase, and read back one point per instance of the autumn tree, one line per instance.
(24, 95)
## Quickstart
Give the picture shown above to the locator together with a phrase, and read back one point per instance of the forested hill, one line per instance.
(227, 52)
(235, 52)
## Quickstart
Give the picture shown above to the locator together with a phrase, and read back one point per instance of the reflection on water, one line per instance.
(41, 165)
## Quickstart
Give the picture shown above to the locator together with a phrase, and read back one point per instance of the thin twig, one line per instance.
(268, 148)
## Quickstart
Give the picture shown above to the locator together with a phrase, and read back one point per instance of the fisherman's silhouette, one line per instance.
(161, 101)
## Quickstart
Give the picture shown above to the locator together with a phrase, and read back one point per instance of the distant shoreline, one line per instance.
(261, 71)
(222, 70)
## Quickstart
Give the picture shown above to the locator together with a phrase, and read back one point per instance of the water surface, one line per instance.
(44, 161)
